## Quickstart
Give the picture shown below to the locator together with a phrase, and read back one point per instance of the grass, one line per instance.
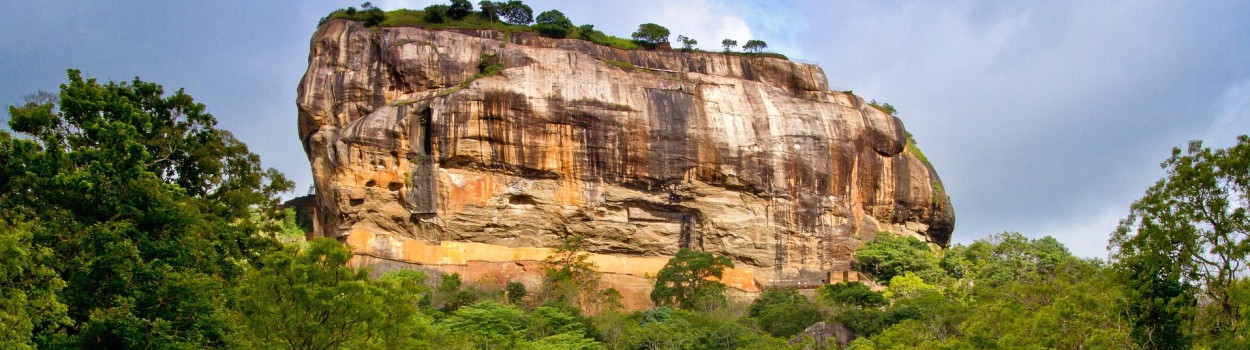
(915, 151)
(621, 64)
(939, 194)
(884, 107)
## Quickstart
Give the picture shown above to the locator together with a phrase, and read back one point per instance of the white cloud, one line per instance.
(1233, 117)
(1087, 235)
(704, 21)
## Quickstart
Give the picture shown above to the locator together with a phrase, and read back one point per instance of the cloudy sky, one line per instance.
(1042, 117)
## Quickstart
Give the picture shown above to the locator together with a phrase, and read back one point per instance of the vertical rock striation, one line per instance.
(423, 159)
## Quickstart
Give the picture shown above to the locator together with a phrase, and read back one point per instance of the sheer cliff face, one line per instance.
(422, 160)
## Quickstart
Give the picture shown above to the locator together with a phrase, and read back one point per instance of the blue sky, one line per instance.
(1046, 118)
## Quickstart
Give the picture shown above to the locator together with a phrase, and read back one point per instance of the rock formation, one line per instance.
(426, 155)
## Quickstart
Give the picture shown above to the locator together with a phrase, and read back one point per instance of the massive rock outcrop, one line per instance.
(425, 157)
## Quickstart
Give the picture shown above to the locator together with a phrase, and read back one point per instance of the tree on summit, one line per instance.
(687, 43)
(515, 12)
(755, 46)
(553, 23)
(651, 34)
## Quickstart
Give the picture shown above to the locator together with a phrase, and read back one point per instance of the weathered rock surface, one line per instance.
(421, 161)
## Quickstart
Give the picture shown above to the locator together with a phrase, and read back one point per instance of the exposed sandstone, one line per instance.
(420, 161)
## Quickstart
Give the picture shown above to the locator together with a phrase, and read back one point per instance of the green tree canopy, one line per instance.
(148, 209)
(436, 13)
(490, 10)
(890, 255)
(569, 276)
(687, 43)
(651, 34)
(783, 312)
(1189, 236)
(459, 9)
(687, 279)
(515, 12)
(29, 287)
(755, 46)
(553, 23)
(729, 44)
(308, 298)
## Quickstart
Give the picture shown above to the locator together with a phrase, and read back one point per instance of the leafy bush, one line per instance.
(436, 13)
(892, 255)
(688, 280)
(784, 312)
(515, 291)
(851, 294)
(459, 9)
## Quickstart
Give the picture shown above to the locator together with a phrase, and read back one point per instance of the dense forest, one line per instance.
(129, 220)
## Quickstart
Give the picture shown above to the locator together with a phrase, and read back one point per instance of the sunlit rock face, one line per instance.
(422, 161)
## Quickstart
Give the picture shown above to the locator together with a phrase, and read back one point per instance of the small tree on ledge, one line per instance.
(651, 35)
(755, 46)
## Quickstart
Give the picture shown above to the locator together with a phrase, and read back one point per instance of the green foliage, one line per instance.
(850, 294)
(1002, 258)
(621, 64)
(1183, 249)
(588, 32)
(755, 46)
(729, 44)
(459, 9)
(553, 23)
(29, 306)
(570, 277)
(890, 255)
(884, 107)
(686, 281)
(784, 312)
(1072, 307)
(370, 15)
(687, 43)
(148, 210)
(1004, 292)
(490, 324)
(546, 321)
(310, 298)
(651, 35)
(515, 12)
(449, 296)
(515, 291)
(490, 11)
(516, 17)
(915, 151)
(436, 13)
